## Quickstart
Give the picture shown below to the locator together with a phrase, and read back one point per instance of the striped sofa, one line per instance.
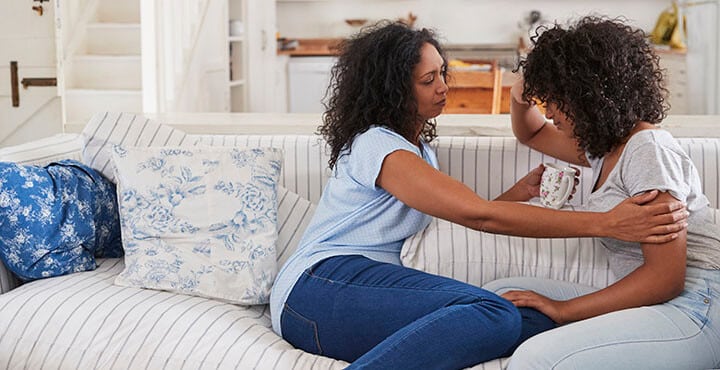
(84, 321)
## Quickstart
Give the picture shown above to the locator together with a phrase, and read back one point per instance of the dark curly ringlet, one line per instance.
(602, 74)
(372, 84)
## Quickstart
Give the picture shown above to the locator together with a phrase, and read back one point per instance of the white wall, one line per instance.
(458, 21)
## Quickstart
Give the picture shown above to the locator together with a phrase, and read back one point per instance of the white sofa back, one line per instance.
(488, 165)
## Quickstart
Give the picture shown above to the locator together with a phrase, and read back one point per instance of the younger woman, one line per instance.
(604, 94)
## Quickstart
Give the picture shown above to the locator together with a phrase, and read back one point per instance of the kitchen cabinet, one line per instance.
(250, 55)
(308, 79)
(307, 74)
(676, 80)
(479, 90)
(474, 88)
(475, 100)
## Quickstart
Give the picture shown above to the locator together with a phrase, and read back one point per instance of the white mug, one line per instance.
(556, 185)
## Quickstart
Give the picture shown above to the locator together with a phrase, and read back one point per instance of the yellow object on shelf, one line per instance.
(669, 28)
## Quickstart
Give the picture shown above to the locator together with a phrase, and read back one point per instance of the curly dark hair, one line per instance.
(372, 84)
(602, 74)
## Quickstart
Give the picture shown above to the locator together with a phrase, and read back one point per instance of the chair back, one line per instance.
(474, 90)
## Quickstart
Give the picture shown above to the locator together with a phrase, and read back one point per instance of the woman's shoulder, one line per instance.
(381, 135)
(655, 137)
(652, 143)
(379, 130)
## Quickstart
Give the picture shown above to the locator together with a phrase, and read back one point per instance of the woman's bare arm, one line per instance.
(532, 129)
(660, 278)
(420, 186)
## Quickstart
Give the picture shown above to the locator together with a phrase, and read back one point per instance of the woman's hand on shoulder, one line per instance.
(637, 221)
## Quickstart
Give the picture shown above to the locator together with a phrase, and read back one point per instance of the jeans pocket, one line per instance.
(695, 300)
(299, 331)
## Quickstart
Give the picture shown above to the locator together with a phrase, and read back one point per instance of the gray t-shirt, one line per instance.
(652, 159)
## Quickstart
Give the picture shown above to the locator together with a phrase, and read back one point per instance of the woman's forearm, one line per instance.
(655, 223)
(659, 279)
(440, 195)
(643, 287)
(526, 118)
(503, 217)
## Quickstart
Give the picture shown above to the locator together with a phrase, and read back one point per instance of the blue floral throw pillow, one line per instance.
(55, 219)
(199, 221)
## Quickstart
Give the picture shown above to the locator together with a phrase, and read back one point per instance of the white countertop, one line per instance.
(447, 125)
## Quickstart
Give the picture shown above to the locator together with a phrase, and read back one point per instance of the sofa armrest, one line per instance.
(44, 151)
(8, 281)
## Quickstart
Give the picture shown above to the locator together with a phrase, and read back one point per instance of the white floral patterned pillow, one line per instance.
(199, 221)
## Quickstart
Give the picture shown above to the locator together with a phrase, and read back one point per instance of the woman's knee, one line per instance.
(535, 353)
(500, 286)
(501, 316)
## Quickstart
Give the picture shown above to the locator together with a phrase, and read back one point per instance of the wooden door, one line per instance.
(29, 39)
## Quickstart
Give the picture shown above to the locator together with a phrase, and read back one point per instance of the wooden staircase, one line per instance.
(101, 66)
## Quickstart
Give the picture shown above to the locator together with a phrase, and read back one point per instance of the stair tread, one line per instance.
(107, 56)
(103, 91)
(113, 25)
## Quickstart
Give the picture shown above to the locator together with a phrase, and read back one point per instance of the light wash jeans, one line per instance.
(383, 316)
(683, 333)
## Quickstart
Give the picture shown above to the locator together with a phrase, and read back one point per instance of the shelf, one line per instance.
(236, 38)
(237, 83)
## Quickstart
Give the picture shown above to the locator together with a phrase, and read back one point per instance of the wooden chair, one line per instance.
(474, 91)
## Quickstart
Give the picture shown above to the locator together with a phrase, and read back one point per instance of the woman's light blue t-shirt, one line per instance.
(354, 216)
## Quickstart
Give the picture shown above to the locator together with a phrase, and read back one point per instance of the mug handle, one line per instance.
(568, 180)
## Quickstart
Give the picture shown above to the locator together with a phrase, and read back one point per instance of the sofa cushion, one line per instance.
(476, 257)
(199, 221)
(705, 154)
(55, 219)
(83, 321)
(294, 215)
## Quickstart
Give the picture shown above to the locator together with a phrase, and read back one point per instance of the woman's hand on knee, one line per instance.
(527, 298)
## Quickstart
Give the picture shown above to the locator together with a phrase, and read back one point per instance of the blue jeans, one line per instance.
(383, 316)
(683, 333)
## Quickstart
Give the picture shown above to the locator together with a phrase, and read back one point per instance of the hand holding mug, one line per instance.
(557, 185)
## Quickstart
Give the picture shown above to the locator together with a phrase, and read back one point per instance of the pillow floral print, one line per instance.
(56, 219)
(199, 221)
